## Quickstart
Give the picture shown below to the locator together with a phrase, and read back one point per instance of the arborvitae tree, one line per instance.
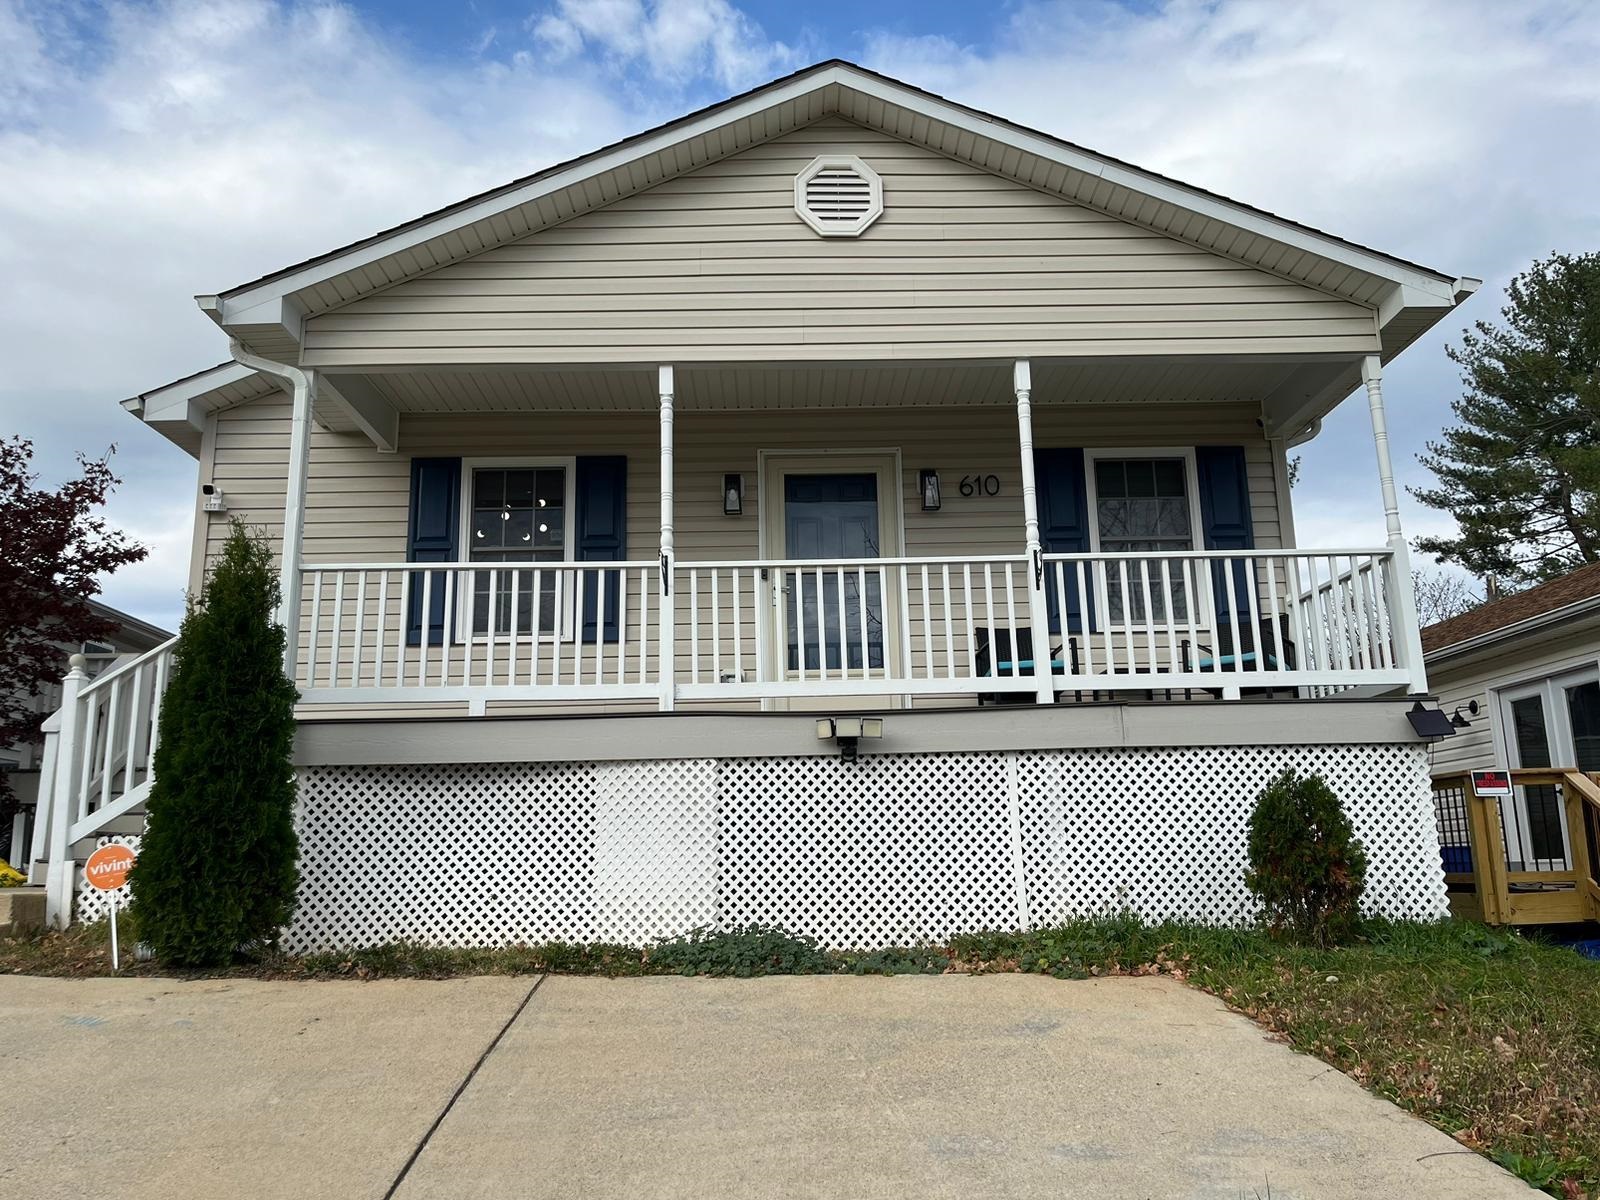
(216, 869)
(1521, 472)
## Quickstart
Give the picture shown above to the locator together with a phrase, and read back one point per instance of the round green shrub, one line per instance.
(1306, 867)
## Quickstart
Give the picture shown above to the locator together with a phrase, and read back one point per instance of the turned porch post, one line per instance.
(1408, 641)
(666, 641)
(1038, 610)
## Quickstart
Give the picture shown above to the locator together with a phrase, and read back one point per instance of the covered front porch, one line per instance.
(871, 537)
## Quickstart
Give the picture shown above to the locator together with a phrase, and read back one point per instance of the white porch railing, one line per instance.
(547, 631)
(98, 761)
(1218, 621)
(1324, 621)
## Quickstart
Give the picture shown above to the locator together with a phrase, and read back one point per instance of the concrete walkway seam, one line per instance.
(460, 1088)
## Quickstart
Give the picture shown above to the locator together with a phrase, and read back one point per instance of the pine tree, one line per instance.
(1521, 472)
(216, 869)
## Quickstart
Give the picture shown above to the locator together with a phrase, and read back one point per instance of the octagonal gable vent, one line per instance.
(838, 195)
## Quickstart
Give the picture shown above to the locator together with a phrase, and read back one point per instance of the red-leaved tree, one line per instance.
(54, 547)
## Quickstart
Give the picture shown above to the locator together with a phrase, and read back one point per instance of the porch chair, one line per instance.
(1256, 651)
(994, 657)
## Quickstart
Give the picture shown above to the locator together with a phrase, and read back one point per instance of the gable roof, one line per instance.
(266, 313)
(1548, 603)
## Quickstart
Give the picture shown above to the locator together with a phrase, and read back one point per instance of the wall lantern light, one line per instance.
(1458, 720)
(732, 495)
(848, 732)
(928, 485)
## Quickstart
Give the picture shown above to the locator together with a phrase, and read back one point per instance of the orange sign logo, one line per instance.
(108, 867)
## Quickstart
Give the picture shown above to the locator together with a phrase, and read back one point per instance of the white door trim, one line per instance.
(771, 467)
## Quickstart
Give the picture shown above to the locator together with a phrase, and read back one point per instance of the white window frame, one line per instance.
(1549, 683)
(566, 623)
(1201, 602)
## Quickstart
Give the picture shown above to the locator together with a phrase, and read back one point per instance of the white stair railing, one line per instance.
(99, 762)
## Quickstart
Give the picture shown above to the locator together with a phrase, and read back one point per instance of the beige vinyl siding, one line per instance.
(716, 266)
(1523, 660)
(357, 498)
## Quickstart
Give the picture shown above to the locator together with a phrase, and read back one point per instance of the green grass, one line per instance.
(1491, 1036)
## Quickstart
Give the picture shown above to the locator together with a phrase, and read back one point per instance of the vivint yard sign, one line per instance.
(107, 870)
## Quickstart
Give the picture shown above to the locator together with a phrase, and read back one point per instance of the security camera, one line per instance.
(206, 489)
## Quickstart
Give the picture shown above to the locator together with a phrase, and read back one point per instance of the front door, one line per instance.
(1552, 722)
(833, 618)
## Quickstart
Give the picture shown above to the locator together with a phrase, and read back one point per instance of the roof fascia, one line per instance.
(270, 303)
(1506, 633)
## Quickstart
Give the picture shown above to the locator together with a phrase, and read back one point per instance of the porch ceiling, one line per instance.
(735, 388)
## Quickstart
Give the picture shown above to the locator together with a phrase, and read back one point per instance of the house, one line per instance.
(1521, 677)
(838, 508)
(21, 763)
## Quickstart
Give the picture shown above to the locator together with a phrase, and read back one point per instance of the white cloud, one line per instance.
(673, 40)
(152, 151)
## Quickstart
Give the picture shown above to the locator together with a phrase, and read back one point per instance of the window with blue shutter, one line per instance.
(1063, 528)
(1225, 519)
(433, 531)
(602, 536)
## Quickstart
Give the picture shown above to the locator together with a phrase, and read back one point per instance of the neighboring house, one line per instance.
(609, 500)
(21, 762)
(1524, 673)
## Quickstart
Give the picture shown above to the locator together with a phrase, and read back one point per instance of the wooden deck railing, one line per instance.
(1527, 859)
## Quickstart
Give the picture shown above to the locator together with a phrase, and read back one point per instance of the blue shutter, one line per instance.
(1063, 527)
(1225, 516)
(602, 521)
(434, 527)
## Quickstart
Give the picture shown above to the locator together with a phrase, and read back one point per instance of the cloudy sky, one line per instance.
(149, 152)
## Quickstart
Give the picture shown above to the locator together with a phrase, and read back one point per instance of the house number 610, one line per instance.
(980, 485)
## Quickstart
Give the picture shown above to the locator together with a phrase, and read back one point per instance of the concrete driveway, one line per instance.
(1002, 1086)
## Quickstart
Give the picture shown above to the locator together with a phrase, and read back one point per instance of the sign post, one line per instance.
(107, 870)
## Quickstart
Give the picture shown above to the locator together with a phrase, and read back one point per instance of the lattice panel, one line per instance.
(475, 854)
(90, 904)
(655, 848)
(893, 849)
(1162, 832)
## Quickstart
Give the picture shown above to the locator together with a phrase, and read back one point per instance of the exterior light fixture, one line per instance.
(928, 485)
(1430, 723)
(848, 732)
(732, 495)
(1460, 722)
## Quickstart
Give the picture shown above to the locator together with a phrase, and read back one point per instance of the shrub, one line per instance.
(1306, 867)
(743, 952)
(216, 869)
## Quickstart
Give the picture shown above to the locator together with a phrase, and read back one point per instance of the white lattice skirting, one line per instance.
(895, 848)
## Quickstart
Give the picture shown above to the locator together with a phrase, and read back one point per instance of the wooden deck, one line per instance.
(1490, 871)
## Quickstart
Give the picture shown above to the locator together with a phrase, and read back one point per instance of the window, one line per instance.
(1144, 504)
(518, 513)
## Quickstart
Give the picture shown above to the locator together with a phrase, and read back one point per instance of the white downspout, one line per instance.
(302, 386)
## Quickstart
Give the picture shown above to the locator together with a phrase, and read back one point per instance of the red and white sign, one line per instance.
(108, 867)
(1491, 783)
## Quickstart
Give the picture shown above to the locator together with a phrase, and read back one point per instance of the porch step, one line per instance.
(132, 822)
(21, 910)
